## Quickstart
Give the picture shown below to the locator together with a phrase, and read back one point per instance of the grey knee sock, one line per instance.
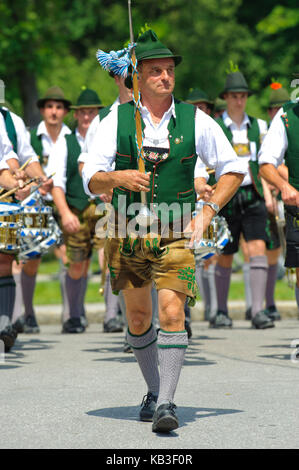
(297, 295)
(82, 293)
(171, 349)
(271, 281)
(206, 289)
(18, 305)
(246, 277)
(73, 290)
(258, 281)
(222, 281)
(213, 291)
(7, 299)
(65, 314)
(146, 354)
(111, 300)
(28, 286)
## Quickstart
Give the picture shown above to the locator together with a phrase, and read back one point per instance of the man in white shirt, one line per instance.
(281, 145)
(77, 211)
(246, 213)
(47, 139)
(172, 136)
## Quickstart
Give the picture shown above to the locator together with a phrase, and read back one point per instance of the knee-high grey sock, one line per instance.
(297, 295)
(213, 291)
(246, 277)
(18, 305)
(28, 286)
(73, 290)
(171, 349)
(82, 293)
(146, 354)
(270, 287)
(111, 300)
(258, 281)
(7, 299)
(222, 281)
(65, 314)
(206, 289)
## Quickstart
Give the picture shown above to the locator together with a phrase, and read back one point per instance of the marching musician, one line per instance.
(47, 139)
(246, 212)
(77, 211)
(282, 144)
(174, 133)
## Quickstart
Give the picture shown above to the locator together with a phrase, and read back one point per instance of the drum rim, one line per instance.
(10, 211)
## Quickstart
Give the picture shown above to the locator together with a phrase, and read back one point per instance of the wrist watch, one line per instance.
(214, 206)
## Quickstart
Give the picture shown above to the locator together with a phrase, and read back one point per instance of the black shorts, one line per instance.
(273, 241)
(292, 236)
(245, 214)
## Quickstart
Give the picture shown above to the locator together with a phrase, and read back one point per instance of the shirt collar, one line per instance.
(42, 130)
(170, 112)
(228, 121)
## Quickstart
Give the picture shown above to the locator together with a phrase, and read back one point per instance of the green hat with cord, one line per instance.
(279, 95)
(88, 99)
(53, 93)
(198, 96)
(148, 46)
(235, 82)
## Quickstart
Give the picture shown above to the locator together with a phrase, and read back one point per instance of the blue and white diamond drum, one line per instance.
(213, 239)
(10, 227)
(39, 232)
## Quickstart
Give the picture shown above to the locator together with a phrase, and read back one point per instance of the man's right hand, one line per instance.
(135, 180)
(70, 222)
(290, 195)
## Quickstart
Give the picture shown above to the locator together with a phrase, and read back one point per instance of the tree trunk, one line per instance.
(29, 96)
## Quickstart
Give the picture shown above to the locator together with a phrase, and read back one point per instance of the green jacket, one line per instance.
(172, 178)
(10, 128)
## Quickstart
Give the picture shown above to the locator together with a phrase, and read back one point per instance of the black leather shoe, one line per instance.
(73, 325)
(19, 324)
(113, 326)
(221, 320)
(165, 419)
(8, 336)
(248, 314)
(148, 407)
(30, 325)
(272, 313)
(261, 321)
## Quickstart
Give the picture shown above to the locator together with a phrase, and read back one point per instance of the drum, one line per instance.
(10, 226)
(213, 239)
(36, 217)
(44, 239)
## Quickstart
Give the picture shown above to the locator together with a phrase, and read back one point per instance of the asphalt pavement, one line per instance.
(238, 390)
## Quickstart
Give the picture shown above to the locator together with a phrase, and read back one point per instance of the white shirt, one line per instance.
(60, 162)
(240, 138)
(275, 143)
(212, 146)
(52, 149)
(6, 150)
(24, 150)
(91, 132)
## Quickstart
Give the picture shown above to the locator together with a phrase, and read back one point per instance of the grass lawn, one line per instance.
(49, 292)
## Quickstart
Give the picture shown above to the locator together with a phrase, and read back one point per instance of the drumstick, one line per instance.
(21, 168)
(12, 191)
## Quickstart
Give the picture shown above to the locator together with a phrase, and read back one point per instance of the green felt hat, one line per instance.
(53, 93)
(235, 82)
(279, 96)
(150, 47)
(88, 99)
(198, 96)
(219, 104)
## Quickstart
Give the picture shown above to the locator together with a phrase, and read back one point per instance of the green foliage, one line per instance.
(56, 40)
